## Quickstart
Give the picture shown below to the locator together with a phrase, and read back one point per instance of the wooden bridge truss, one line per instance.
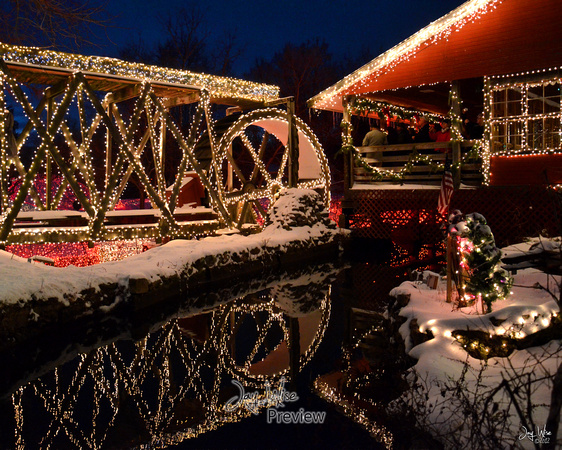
(242, 160)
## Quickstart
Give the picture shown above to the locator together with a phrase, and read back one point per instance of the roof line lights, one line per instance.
(218, 86)
(435, 31)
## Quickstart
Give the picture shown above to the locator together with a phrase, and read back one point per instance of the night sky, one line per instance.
(263, 27)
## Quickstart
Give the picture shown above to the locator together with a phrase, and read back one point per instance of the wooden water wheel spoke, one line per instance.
(247, 194)
(257, 193)
(235, 167)
(261, 154)
(283, 166)
(257, 161)
(243, 218)
(261, 209)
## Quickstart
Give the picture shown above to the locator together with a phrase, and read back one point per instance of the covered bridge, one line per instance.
(80, 136)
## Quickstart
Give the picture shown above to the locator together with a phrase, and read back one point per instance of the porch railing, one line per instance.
(417, 163)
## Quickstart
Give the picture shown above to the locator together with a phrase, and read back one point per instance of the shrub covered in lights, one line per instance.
(484, 280)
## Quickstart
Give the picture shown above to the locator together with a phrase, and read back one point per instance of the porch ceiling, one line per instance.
(429, 98)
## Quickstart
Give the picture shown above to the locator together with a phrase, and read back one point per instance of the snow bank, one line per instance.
(449, 386)
(22, 281)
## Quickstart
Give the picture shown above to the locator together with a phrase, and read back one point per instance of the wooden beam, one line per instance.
(125, 93)
(56, 89)
(456, 148)
(293, 145)
(193, 97)
(347, 157)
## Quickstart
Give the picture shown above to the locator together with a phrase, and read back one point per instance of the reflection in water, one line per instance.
(162, 376)
(172, 384)
(373, 360)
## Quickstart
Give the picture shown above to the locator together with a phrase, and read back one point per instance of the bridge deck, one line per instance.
(40, 226)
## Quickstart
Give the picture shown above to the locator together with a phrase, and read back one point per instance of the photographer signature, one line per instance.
(539, 438)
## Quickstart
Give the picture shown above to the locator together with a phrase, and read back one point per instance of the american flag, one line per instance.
(446, 191)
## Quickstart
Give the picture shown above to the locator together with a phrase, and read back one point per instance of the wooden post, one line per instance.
(6, 131)
(347, 203)
(230, 170)
(346, 138)
(108, 148)
(48, 168)
(293, 145)
(449, 269)
(486, 138)
(457, 132)
(163, 130)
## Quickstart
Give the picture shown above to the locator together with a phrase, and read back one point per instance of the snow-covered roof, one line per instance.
(37, 63)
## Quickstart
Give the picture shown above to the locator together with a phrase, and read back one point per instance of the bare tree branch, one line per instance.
(61, 23)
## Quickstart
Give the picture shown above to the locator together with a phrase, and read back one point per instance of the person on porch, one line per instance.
(403, 136)
(375, 136)
(423, 131)
(443, 135)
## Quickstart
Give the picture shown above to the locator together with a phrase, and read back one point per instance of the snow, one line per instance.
(532, 246)
(22, 280)
(442, 361)
(51, 215)
(433, 313)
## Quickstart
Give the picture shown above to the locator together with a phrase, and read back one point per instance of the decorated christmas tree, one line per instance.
(484, 279)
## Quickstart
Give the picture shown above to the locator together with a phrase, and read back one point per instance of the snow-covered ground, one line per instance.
(458, 398)
(22, 280)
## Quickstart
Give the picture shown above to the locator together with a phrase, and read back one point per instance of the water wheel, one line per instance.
(252, 163)
(264, 342)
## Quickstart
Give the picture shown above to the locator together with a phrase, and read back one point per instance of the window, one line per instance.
(525, 117)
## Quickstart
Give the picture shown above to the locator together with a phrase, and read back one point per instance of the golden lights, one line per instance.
(218, 86)
(386, 62)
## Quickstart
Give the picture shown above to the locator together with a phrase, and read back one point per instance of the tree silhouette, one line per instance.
(185, 45)
(61, 23)
(300, 71)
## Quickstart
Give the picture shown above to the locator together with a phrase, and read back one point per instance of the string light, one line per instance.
(520, 84)
(78, 93)
(387, 111)
(441, 29)
(354, 411)
(101, 379)
(521, 121)
(219, 87)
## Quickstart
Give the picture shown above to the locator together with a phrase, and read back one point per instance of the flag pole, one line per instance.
(449, 269)
(443, 207)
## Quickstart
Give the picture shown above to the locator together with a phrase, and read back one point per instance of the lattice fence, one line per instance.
(513, 212)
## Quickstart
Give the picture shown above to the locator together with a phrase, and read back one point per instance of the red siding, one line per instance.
(526, 170)
(519, 35)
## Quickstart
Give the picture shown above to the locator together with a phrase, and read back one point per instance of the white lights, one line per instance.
(127, 154)
(438, 30)
(219, 87)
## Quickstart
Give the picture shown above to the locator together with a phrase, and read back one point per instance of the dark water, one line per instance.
(161, 377)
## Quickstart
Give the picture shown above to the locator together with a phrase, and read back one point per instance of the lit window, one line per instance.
(525, 116)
